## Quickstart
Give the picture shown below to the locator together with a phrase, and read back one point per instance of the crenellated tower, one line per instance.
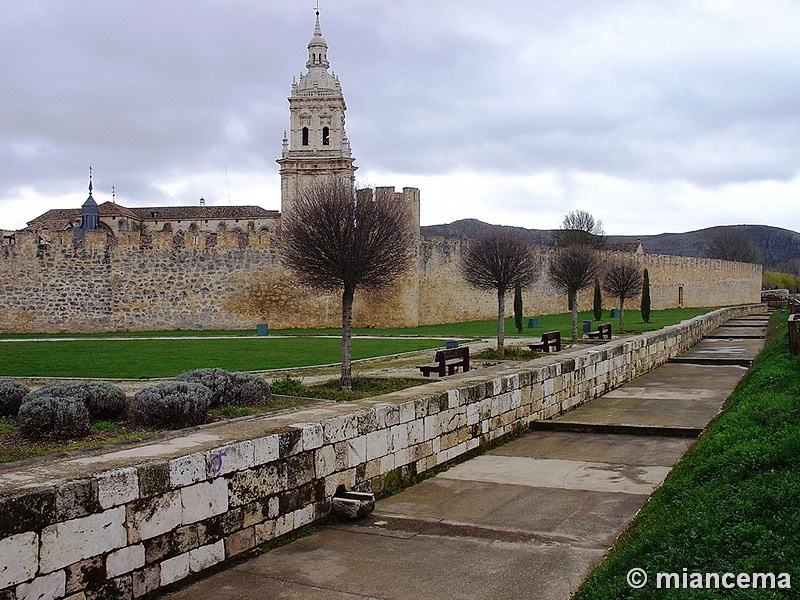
(316, 146)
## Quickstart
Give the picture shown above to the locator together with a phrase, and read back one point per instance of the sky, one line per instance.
(655, 117)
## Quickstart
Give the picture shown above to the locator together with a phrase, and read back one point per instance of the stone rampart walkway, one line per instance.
(525, 520)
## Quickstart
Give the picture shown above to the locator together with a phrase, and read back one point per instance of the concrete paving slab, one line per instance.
(646, 412)
(626, 449)
(722, 348)
(748, 322)
(561, 474)
(355, 561)
(510, 513)
(739, 332)
(676, 376)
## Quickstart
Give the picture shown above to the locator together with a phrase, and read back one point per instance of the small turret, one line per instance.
(90, 212)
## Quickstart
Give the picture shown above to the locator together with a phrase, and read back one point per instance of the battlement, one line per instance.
(42, 243)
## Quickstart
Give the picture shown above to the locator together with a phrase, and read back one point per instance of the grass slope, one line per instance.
(732, 503)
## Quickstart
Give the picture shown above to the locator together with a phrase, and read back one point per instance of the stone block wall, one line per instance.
(125, 531)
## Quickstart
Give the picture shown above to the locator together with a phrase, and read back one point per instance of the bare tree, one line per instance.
(580, 228)
(572, 269)
(340, 238)
(622, 280)
(730, 243)
(497, 259)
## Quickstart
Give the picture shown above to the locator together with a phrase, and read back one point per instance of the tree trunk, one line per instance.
(621, 314)
(501, 319)
(574, 304)
(346, 381)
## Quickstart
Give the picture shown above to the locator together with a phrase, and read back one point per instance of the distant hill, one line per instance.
(779, 248)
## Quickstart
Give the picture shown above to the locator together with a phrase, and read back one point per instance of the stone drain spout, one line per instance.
(352, 505)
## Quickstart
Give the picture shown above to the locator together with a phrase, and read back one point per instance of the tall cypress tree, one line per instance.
(646, 297)
(597, 307)
(518, 306)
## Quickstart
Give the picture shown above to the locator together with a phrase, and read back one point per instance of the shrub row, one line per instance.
(64, 409)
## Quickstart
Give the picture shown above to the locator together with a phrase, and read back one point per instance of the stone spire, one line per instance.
(90, 213)
(316, 145)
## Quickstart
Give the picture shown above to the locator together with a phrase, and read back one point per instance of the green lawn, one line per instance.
(152, 355)
(732, 503)
(561, 322)
(160, 357)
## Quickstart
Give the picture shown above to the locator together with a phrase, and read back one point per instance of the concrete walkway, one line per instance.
(526, 520)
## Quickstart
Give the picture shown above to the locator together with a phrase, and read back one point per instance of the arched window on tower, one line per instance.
(326, 136)
(305, 136)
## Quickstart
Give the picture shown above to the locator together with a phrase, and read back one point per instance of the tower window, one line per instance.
(326, 136)
(305, 136)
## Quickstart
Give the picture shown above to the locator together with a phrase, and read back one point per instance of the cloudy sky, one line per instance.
(653, 116)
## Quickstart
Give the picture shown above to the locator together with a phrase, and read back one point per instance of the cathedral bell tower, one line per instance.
(316, 147)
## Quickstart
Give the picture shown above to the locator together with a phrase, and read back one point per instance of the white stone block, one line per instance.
(338, 429)
(473, 414)
(117, 487)
(431, 425)
(324, 461)
(386, 415)
(357, 451)
(377, 444)
(387, 463)
(273, 507)
(174, 569)
(408, 411)
(265, 450)
(204, 500)
(155, 516)
(48, 587)
(304, 516)
(124, 560)
(416, 432)
(284, 524)
(205, 556)
(227, 459)
(65, 543)
(453, 398)
(403, 457)
(312, 435)
(398, 436)
(186, 470)
(20, 558)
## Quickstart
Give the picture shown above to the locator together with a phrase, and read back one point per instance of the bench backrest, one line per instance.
(451, 353)
(551, 337)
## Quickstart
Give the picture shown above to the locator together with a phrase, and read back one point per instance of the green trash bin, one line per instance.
(262, 329)
(533, 323)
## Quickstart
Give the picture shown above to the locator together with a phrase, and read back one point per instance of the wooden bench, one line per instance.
(603, 332)
(550, 339)
(447, 361)
(794, 334)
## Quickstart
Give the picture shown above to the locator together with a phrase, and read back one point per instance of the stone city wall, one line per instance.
(675, 281)
(230, 280)
(130, 521)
